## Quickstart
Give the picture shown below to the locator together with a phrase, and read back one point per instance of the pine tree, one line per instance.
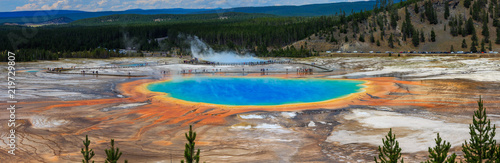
(415, 8)
(113, 154)
(473, 48)
(464, 33)
(470, 26)
(415, 40)
(433, 35)
(497, 154)
(189, 154)
(391, 42)
(482, 46)
(464, 44)
(87, 154)
(407, 28)
(361, 38)
(346, 39)
(390, 152)
(497, 41)
(474, 44)
(490, 47)
(467, 3)
(451, 49)
(430, 12)
(378, 42)
(422, 37)
(481, 146)
(372, 38)
(394, 18)
(439, 154)
(485, 31)
(332, 39)
(446, 10)
(474, 38)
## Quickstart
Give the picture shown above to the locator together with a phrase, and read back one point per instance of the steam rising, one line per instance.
(202, 51)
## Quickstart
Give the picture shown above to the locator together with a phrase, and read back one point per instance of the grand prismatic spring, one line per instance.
(281, 115)
(256, 91)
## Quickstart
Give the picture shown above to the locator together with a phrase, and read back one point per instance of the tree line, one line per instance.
(27, 55)
(239, 35)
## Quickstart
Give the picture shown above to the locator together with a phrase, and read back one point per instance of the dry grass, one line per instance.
(444, 40)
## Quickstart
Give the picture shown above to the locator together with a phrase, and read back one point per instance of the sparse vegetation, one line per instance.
(439, 153)
(86, 152)
(113, 154)
(481, 147)
(189, 154)
(390, 152)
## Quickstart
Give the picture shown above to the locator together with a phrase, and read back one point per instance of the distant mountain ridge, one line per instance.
(171, 18)
(58, 20)
(303, 10)
(83, 14)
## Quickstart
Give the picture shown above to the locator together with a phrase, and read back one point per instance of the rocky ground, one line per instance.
(424, 96)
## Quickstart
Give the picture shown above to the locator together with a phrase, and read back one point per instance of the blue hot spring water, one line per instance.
(256, 91)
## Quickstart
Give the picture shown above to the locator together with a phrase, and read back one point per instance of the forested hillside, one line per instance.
(129, 19)
(243, 34)
(416, 25)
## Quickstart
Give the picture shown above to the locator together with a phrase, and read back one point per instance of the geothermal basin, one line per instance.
(417, 97)
(256, 91)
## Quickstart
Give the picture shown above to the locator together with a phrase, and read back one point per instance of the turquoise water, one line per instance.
(256, 91)
(134, 64)
(32, 71)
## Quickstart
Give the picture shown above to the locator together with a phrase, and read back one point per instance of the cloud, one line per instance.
(54, 5)
(29, 6)
(102, 2)
(43, 5)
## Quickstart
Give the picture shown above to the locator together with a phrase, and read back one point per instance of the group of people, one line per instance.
(165, 72)
(202, 71)
(197, 61)
(192, 61)
(55, 69)
(249, 63)
(304, 71)
(93, 72)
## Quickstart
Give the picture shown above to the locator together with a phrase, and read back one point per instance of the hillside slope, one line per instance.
(444, 40)
(303, 10)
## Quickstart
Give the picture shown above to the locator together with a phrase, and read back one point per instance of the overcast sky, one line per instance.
(114, 5)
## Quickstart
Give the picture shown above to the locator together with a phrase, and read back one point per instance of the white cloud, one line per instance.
(102, 2)
(29, 6)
